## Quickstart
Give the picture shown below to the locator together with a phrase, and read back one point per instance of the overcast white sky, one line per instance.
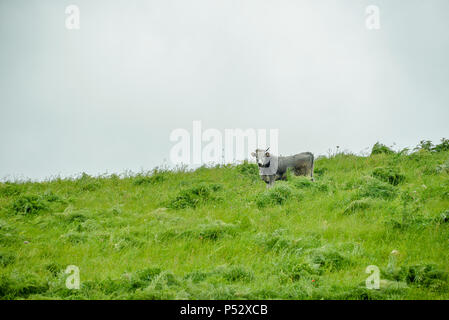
(106, 97)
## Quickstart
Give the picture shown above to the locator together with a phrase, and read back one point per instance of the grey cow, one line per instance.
(273, 168)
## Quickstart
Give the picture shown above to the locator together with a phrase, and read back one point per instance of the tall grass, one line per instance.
(217, 233)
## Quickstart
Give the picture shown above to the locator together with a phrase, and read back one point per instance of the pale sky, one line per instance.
(106, 97)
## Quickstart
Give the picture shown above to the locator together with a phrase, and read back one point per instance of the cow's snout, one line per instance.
(261, 162)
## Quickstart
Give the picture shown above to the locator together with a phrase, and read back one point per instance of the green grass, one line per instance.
(217, 233)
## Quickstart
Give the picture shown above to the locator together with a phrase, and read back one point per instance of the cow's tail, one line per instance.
(311, 170)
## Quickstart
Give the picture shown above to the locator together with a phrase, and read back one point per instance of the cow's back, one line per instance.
(301, 162)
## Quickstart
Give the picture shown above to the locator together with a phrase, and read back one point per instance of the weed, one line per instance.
(327, 258)
(390, 174)
(358, 205)
(248, 169)
(195, 196)
(155, 178)
(379, 148)
(373, 188)
(6, 258)
(29, 204)
(276, 195)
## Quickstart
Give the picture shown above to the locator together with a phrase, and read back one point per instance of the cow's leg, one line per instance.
(265, 179)
(311, 170)
(271, 178)
(282, 176)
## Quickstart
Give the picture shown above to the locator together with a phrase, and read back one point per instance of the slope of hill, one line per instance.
(217, 233)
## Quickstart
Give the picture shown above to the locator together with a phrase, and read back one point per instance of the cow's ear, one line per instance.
(253, 154)
(267, 154)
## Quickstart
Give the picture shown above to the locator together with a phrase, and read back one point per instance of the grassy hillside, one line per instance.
(217, 233)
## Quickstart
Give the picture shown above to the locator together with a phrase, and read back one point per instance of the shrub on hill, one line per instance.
(155, 178)
(380, 148)
(421, 275)
(10, 189)
(443, 167)
(88, 183)
(358, 205)
(374, 188)
(276, 195)
(391, 175)
(195, 195)
(29, 204)
(443, 146)
(248, 169)
(429, 146)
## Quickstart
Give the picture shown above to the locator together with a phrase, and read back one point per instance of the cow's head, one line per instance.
(262, 157)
